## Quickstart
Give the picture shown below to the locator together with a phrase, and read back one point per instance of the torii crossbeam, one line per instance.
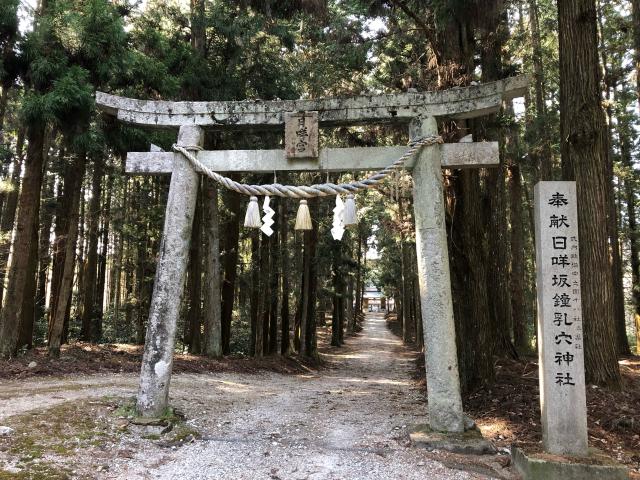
(419, 111)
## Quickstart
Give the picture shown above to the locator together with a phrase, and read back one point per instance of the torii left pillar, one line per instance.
(157, 361)
(434, 279)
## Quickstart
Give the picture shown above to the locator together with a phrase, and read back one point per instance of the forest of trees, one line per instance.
(79, 238)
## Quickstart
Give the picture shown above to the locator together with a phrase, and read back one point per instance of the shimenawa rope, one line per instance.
(304, 191)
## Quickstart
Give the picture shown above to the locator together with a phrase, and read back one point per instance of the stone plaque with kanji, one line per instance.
(560, 342)
(301, 134)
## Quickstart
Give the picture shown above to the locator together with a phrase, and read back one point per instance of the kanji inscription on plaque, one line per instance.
(562, 383)
(301, 134)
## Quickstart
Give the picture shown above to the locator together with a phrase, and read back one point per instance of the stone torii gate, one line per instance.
(419, 111)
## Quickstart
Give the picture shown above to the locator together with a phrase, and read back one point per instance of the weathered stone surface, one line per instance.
(545, 467)
(443, 383)
(470, 442)
(562, 383)
(6, 431)
(157, 361)
(466, 102)
(150, 429)
(301, 134)
(453, 155)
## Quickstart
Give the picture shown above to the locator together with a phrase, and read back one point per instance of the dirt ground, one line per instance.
(282, 420)
(85, 358)
(508, 411)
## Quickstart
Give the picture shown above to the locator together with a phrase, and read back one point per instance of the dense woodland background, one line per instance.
(79, 239)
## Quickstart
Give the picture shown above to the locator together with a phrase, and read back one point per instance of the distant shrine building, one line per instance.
(375, 300)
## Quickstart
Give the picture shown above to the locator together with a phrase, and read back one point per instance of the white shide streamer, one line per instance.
(338, 219)
(267, 220)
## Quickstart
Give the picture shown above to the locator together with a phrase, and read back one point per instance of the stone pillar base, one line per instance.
(544, 466)
(469, 442)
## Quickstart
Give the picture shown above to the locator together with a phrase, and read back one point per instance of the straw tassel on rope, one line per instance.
(252, 217)
(303, 218)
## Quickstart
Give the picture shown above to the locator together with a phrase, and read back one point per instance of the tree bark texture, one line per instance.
(584, 152)
(285, 341)
(212, 288)
(231, 230)
(63, 301)
(542, 155)
(9, 208)
(92, 326)
(27, 220)
(194, 315)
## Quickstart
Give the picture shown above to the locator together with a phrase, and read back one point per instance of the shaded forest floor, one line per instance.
(508, 412)
(85, 358)
(350, 419)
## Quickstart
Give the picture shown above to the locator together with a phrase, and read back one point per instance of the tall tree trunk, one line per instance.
(358, 306)
(469, 285)
(276, 252)
(117, 273)
(350, 326)
(62, 304)
(91, 330)
(336, 317)
(584, 158)
(630, 187)
(408, 322)
(311, 242)
(194, 317)
(25, 338)
(285, 341)
(63, 209)
(467, 247)
(44, 259)
(198, 27)
(635, 12)
(255, 346)
(81, 248)
(231, 231)
(307, 310)
(102, 257)
(541, 156)
(212, 292)
(265, 295)
(143, 287)
(495, 33)
(9, 211)
(4, 99)
(517, 259)
(419, 323)
(610, 84)
(635, 9)
(28, 209)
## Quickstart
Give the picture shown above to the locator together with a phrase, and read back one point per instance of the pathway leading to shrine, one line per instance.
(348, 421)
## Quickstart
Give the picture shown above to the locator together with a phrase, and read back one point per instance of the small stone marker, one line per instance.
(301, 134)
(561, 358)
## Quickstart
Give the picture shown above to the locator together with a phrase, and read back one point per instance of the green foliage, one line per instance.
(273, 49)
(8, 37)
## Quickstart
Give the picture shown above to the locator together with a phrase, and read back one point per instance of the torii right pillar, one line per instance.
(441, 359)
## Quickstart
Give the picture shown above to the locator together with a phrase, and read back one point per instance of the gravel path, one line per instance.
(349, 421)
